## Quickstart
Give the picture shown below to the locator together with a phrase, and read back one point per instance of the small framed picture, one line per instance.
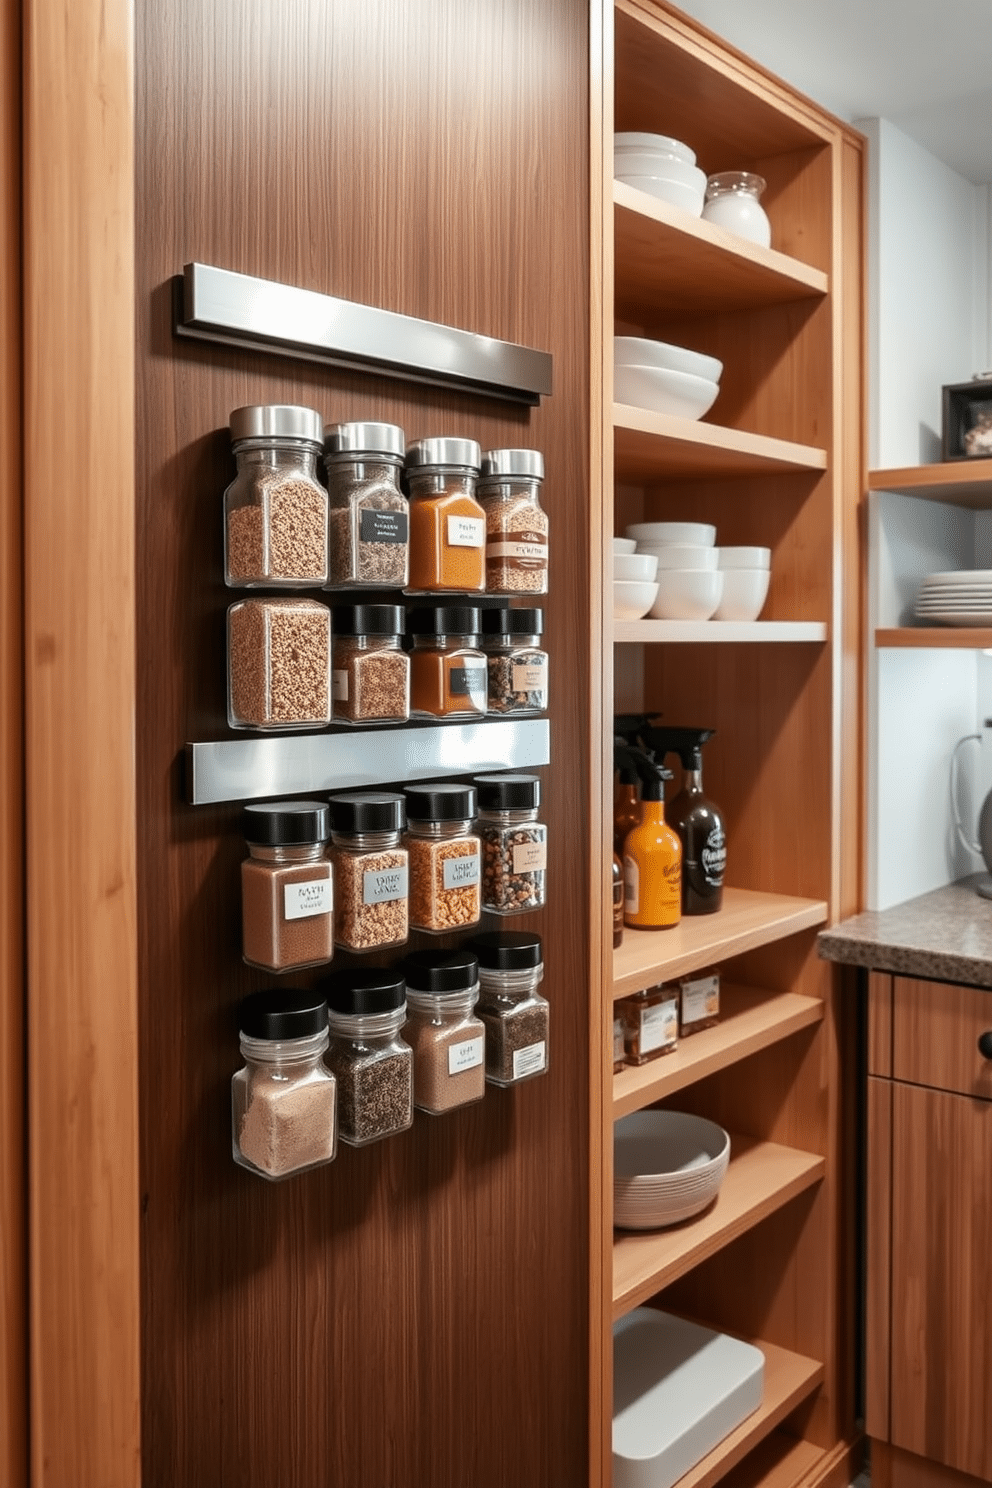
(968, 419)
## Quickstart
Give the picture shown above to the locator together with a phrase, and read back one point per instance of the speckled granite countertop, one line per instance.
(945, 935)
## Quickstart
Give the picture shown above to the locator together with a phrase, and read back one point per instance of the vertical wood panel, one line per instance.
(878, 1228)
(935, 1031)
(879, 1023)
(79, 663)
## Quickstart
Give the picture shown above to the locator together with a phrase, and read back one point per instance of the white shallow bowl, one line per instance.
(639, 351)
(655, 163)
(687, 593)
(744, 558)
(632, 601)
(636, 567)
(675, 393)
(624, 544)
(744, 593)
(675, 555)
(688, 198)
(667, 1166)
(656, 144)
(694, 534)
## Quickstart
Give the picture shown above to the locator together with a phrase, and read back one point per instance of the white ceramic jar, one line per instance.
(732, 201)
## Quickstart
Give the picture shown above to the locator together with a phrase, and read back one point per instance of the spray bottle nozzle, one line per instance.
(687, 743)
(639, 763)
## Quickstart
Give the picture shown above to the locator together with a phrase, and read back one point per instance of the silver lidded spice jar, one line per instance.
(370, 680)
(283, 1100)
(370, 869)
(516, 526)
(368, 519)
(514, 843)
(287, 886)
(445, 857)
(278, 664)
(275, 509)
(516, 1016)
(372, 1062)
(448, 1041)
(447, 524)
(516, 664)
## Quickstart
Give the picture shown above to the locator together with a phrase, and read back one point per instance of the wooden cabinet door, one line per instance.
(941, 1395)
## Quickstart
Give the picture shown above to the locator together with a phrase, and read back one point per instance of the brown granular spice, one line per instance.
(432, 906)
(295, 513)
(375, 1092)
(270, 940)
(352, 561)
(377, 683)
(279, 656)
(516, 523)
(361, 926)
(285, 1127)
(434, 1089)
(510, 1030)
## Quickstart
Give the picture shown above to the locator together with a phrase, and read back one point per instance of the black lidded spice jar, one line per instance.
(370, 680)
(283, 1100)
(373, 1064)
(370, 869)
(516, 663)
(514, 843)
(515, 1014)
(445, 857)
(448, 1040)
(287, 886)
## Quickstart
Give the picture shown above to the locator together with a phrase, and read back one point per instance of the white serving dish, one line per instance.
(636, 567)
(688, 593)
(695, 534)
(678, 394)
(675, 555)
(631, 601)
(667, 1166)
(678, 1390)
(657, 144)
(624, 544)
(744, 593)
(655, 163)
(640, 351)
(744, 558)
(688, 198)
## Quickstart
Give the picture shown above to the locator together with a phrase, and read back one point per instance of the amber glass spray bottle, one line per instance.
(652, 854)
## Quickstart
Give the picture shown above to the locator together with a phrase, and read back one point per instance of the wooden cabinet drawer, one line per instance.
(935, 1032)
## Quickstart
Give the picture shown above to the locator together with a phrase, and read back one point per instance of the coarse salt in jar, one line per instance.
(445, 857)
(447, 524)
(516, 526)
(287, 886)
(368, 518)
(370, 869)
(372, 1062)
(283, 1101)
(515, 1014)
(516, 664)
(370, 680)
(448, 675)
(733, 202)
(448, 1040)
(514, 843)
(275, 509)
(278, 664)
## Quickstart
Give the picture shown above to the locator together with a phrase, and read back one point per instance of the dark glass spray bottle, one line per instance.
(696, 819)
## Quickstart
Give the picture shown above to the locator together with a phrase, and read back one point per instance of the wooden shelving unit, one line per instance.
(958, 482)
(935, 638)
(711, 632)
(655, 446)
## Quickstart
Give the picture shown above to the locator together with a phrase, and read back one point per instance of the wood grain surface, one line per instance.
(891, 1467)
(418, 1311)
(935, 1031)
(878, 1258)
(880, 1023)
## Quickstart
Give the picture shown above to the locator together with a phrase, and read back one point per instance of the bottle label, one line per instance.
(530, 857)
(524, 550)
(339, 686)
(382, 885)
(632, 886)
(383, 527)
(530, 1061)
(700, 999)
(713, 858)
(467, 1055)
(530, 676)
(466, 532)
(659, 1026)
(469, 681)
(301, 901)
(461, 873)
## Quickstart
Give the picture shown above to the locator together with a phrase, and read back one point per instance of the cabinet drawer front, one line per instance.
(935, 1032)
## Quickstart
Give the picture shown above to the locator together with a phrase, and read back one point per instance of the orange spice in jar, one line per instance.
(447, 524)
(448, 674)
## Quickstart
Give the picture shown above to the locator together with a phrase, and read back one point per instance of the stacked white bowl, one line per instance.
(667, 1166)
(634, 586)
(690, 583)
(662, 167)
(746, 576)
(664, 378)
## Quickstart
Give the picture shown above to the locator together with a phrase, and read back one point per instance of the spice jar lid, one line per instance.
(286, 823)
(508, 792)
(443, 620)
(367, 619)
(440, 801)
(507, 950)
(465, 452)
(276, 421)
(278, 1016)
(526, 462)
(513, 622)
(363, 439)
(365, 991)
(441, 971)
(368, 811)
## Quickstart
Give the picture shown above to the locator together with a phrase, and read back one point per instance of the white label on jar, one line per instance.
(380, 885)
(339, 686)
(618, 1040)
(461, 873)
(659, 1026)
(466, 532)
(534, 552)
(530, 676)
(467, 1055)
(528, 857)
(530, 1060)
(302, 900)
(632, 886)
(700, 999)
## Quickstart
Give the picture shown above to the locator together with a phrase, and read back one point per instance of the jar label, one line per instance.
(467, 1055)
(381, 885)
(469, 681)
(528, 857)
(659, 1026)
(461, 873)
(466, 532)
(700, 999)
(339, 686)
(383, 526)
(530, 676)
(530, 1061)
(632, 886)
(525, 550)
(618, 1040)
(302, 900)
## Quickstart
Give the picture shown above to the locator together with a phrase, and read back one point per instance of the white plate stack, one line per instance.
(664, 378)
(662, 167)
(667, 1166)
(962, 598)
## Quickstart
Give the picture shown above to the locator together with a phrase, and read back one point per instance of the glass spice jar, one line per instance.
(517, 667)
(447, 670)
(448, 1041)
(283, 1101)
(699, 1003)
(275, 509)
(618, 1044)
(447, 524)
(278, 664)
(287, 886)
(515, 1014)
(514, 843)
(370, 869)
(516, 527)
(651, 1023)
(370, 680)
(445, 857)
(733, 202)
(372, 1063)
(368, 517)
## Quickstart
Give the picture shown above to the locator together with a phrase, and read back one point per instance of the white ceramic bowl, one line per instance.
(638, 351)
(744, 593)
(687, 593)
(694, 534)
(675, 555)
(639, 567)
(630, 162)
(631, 601)
(668, 1165)
(688, 198)
(624, 544)
(656, 144)
(744, 558)
(662, 391)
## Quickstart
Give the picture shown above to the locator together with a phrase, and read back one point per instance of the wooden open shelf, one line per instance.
(935, 637)
(652, 446)
(750, 1019)
(748, 919)
(959, 482)
(778, 1461)
(667, 261)
(707, 632)
(761, 1177)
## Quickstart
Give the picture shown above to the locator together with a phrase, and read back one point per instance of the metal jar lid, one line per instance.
(276, 421)
(343, 441)
(428, 452)
(525, 462)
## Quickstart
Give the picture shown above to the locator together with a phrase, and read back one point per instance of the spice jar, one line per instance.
(447, 524)
(373, 1064)
(514, 843)
(368, 517)
(447, 669)
(732, 201)
(370, 681)
(517, 667)
(278, 664)
(287, 886)
(618, 1044)
(513, 1011)
(370, 869)
(448, 1041)
(283, 1099)
(275, 509)
(445, 857)
(699, 1003)
(516, 527)
(651, 1023)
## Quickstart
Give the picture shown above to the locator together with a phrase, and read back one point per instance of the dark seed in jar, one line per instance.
(504, 888)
